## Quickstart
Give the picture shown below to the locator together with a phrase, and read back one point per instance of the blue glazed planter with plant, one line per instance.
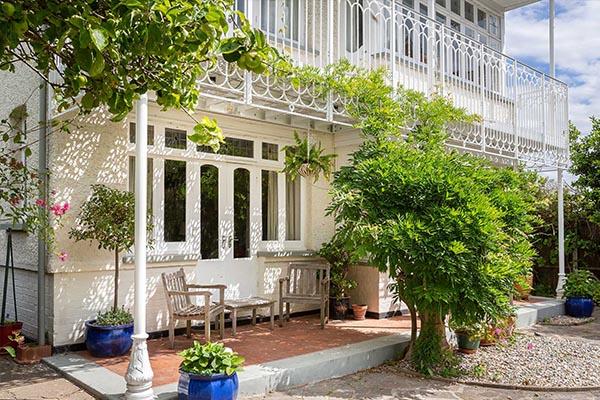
(581, 289)
(209, 372)
(468, 337)
(109, 335)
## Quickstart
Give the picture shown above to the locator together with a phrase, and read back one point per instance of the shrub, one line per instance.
(117, 317)
(340, 259)
(210, 359)
(582, 283)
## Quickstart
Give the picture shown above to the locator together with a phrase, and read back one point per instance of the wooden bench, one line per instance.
(306, 283)
(249, 303)
(181, 307)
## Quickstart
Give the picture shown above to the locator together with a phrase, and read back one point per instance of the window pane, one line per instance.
(241, 213)
(149, 182)
(292, 214)
(441, 2)
(150, 134)
(354, 25)
(269, 205)
(455, 6)
(469, 11)
(493, 28)
(455, 25)
(441, 18)
(409, 3)
(175, 193)
(209, 212)
(232, 147)
(270, 151)
(175, 138)
(481, 19)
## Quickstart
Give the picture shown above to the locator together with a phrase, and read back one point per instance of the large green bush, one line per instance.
(450, 227)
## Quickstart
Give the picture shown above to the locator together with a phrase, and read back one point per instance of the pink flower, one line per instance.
(497, 331)
(529, 346)
(62, 256)
(60, 209)
(40, 203)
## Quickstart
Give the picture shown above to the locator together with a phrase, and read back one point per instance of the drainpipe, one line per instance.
(42, 249)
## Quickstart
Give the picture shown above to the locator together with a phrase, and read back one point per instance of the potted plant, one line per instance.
(209, 372)
(108, 217)
(340, 260)
(579, 289)
(468, 337)
(359, 311)
(25, 353)
(307, 160)
(523, 286)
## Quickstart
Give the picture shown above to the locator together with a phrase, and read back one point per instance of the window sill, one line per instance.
(180, 259)
(287, 254)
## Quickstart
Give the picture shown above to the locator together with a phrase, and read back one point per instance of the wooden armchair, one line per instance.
(306, 283)
(180, 306)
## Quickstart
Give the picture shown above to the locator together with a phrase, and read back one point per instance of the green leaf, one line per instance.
(99, 38)
(11, 351)
(97, 65)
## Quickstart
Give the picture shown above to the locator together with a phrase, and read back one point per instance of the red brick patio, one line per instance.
(258, 344)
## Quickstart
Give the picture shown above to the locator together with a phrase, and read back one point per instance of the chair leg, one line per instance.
(207, 327)
(172, 333)
(222, 315)
(281, 315)
(322, 315)
(287, 305)
(188, 328)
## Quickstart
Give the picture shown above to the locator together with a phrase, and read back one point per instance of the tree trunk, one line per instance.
(413, 323)
(432, 326)
(116, 297)
(430, 347)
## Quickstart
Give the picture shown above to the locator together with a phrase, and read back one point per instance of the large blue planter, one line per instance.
(108, 341)
(214, 387)
(579, 307)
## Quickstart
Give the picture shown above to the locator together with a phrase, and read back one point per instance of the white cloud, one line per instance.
(577, 49)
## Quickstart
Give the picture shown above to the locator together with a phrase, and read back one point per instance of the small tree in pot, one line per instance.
(108, 217)
(340, 260)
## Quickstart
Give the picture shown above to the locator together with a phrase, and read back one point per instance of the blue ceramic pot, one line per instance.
(108, 341)
(579, 307)
(214, 387)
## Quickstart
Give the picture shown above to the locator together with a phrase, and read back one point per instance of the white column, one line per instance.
(431, 46)
(551, 15)
(561, 235)
(139, 373)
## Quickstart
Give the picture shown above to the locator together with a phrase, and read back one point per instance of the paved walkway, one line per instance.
(35, 382)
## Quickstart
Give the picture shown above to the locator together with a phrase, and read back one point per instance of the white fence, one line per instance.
(524, 111)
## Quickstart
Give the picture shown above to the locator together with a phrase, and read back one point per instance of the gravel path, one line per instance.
(533, 360)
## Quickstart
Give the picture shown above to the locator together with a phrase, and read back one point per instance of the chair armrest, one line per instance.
(215, 286)
(188, 293)
(281, 280)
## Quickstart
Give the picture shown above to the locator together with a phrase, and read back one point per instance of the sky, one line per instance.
(577, 49)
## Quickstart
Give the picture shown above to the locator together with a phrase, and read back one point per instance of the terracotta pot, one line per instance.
(525, 291)
(359, 311)
(32, 354)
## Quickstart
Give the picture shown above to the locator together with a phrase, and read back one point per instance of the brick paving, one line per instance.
(258, 344)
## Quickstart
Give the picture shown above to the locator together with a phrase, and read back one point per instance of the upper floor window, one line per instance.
(270, 151)
(282, 17)
(493, 25)
(150, 133)
(469, 11)
(354, 25)
(441, 3)
(232, 147)
(481, 18)
(175, 138)
(455, 6)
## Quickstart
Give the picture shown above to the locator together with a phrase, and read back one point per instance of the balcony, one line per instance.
(524, 111)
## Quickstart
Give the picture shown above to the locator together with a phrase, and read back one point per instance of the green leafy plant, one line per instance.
(117, 317)
(340, 259)
(581, 283)
(108, 218)
(19, 341)
(585, 153)
(307, 159)
(474, 331)
(210, 359)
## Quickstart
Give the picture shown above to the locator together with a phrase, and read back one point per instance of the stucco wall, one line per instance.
(97, 152)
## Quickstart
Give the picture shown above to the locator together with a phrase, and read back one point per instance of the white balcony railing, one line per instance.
(524, 111)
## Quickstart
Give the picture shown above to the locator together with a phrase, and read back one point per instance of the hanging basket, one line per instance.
(304, 170)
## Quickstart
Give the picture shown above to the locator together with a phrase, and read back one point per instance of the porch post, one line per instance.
(430, 46)
(139, 373)
(561, 235)
(551, 15)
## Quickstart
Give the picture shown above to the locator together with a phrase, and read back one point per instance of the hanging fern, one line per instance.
(307, 160)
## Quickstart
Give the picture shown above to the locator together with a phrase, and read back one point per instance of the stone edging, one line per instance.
(501, 385)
